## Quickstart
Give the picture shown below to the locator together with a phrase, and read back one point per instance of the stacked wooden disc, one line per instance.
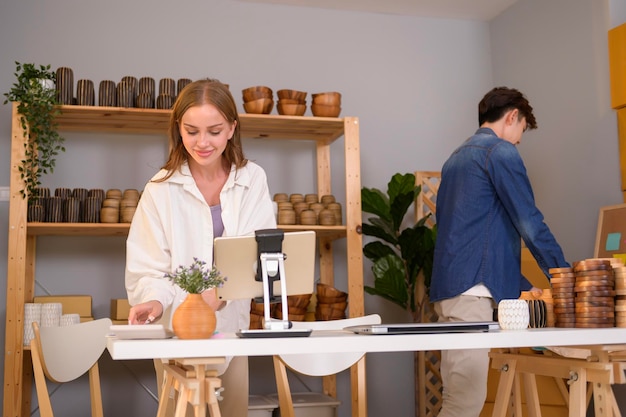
(619, 273)
(562, 281)
(595, 293)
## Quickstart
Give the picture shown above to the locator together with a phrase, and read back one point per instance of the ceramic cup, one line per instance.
(164, 101)
(51, 314)
(133, 82)
(145, 101)
(85, 95)
(167, 86)
(65, 85)
(69, 319)
(125, 94)
(513, 314)
(107, 95)
(32, 314)
(182, 83)
(147, 86)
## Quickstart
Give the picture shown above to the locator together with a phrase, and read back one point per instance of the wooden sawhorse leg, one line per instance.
(194, 385)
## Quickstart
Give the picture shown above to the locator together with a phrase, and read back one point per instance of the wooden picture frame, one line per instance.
(611, 234)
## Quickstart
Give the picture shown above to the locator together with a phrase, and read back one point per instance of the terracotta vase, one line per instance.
(194, 319)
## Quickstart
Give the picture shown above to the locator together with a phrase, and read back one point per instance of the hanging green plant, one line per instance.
(401, 255)
(35, 95)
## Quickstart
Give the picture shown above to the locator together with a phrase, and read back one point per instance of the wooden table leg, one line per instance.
(517, 395)
(602, 396)
(503, 395)
(578, 392)
(168, 384)
(532, 396)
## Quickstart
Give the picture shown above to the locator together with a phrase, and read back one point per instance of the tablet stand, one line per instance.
(271, 258)
(272, 263)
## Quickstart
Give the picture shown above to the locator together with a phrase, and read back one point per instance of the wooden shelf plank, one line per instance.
(152, 121)
(121, 229)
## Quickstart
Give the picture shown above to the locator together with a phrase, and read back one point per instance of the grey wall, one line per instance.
(413, 82)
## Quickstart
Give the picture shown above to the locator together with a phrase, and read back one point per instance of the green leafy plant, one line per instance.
(37, 107)
(401, 255)
(196, 277)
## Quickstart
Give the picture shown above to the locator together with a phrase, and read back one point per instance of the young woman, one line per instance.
(206, 189)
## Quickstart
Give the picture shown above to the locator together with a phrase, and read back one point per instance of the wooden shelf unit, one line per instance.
(22, 235)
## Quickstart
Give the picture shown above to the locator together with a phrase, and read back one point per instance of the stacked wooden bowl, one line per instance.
(331, 303)
(291, 102)
(326, 104)
(258, 100)
(257, 311)
(297, 306)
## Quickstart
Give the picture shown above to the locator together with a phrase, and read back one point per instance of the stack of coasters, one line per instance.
(619, 273)
(562, 281)
(595, 293)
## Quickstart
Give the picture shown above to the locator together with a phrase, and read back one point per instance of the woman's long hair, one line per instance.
(197, 93)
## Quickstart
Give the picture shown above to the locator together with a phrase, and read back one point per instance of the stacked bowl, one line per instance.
(258, 100)
(326, 104)
(331, 303)
(291, 102)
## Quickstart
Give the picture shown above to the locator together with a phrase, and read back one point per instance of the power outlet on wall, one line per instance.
(4, 193)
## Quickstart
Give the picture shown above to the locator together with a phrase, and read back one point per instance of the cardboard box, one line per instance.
(72, 304)
(120, 308)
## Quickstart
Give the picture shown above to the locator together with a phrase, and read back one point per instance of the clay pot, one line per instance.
(194, 319)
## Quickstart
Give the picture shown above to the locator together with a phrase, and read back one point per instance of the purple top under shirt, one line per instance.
(218, 225)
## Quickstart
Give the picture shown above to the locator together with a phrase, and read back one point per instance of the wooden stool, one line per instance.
(193, 384)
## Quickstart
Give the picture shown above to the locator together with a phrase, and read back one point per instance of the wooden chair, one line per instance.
(62, 354)
(323, 364)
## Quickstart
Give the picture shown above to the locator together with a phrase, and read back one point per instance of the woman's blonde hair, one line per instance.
(197, 93)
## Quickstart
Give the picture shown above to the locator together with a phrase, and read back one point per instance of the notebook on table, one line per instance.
(425, 328)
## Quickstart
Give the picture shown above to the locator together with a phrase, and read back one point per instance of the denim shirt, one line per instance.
(485, 206)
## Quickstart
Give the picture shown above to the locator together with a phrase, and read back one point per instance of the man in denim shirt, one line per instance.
(485, 207)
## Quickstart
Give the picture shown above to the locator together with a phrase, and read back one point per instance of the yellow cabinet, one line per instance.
(617, 66)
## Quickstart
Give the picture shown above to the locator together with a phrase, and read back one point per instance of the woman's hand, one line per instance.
(210, 297)
(145, 313)
(536, 292)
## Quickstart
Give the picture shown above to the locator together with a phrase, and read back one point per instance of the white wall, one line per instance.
(414, 83)
(572, 158)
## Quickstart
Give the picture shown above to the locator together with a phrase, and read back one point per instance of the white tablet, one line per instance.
(140, 331)
(237, 259)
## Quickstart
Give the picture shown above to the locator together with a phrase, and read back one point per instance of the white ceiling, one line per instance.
(452, 9)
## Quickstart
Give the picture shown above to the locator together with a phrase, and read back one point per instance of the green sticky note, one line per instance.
(612, 241)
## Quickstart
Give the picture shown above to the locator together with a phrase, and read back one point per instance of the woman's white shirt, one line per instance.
(173, 224)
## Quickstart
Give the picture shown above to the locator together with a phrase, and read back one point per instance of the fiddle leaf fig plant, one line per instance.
(35, 95)
(401, 255)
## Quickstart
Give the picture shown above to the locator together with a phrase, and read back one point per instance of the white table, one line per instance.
(342, 341)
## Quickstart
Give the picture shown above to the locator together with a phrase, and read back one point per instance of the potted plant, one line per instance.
(402, 255)
(35, 95)
(195, 319)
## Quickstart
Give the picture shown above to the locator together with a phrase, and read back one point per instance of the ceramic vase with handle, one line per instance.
(194, 319)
